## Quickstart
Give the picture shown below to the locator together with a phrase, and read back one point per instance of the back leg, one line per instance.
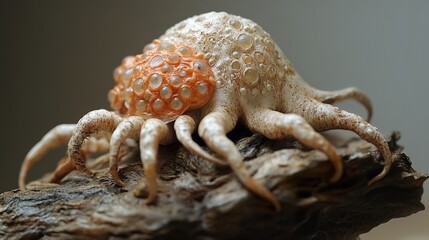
(276, 125)
(55, 138)
(325, 117)
(213, 129)
(331, 97)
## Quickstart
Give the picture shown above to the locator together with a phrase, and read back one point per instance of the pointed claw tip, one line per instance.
(119, 182)
(140, 192)
(150, 200)
(375, 179)
(273, 200)
(380, 175)
(21, 184)
(277, 205)
(336, 177)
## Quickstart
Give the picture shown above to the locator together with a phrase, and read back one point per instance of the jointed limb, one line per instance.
(66, 165)
(276, 125)
(331, 97)
(325, 117)
(93, 122)
(153, 133)
(129, 128)
(56, 137)
(213, 129)
(184, 126)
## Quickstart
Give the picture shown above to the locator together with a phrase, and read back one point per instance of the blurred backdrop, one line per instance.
(57, 59)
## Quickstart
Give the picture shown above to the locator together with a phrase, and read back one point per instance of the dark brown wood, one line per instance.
(198, 200)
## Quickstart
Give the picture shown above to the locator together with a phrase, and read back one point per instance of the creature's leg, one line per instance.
(56, 137)
(93, 122)
(153, 133)
(184, 127)
(276, 125)
(66, 165)
(213, 129)
(129, 128)
(324, 117)
(344, 94)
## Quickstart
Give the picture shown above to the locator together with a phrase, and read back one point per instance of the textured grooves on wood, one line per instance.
(198, 200)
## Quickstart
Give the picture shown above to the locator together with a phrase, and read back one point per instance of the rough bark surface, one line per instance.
(198, 200)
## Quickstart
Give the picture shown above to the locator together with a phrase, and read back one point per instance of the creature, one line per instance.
(210, 71)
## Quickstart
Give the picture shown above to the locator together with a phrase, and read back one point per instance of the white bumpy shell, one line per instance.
(239, 51)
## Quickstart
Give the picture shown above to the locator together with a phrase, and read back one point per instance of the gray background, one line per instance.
(57, 59)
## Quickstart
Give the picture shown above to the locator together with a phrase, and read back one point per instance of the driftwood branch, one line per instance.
(198, 200)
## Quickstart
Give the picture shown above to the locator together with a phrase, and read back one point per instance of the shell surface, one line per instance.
(163, 82)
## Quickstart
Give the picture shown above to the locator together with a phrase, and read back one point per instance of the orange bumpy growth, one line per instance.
(163, 82)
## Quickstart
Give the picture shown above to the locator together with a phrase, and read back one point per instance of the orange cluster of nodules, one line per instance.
(163, 82)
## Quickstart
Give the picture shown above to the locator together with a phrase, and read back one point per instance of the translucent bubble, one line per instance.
(175, 81)
(202, 87)
(111, 96)
(247, 59)
(185, 51)
(116, 73)
(128, 94)
(138, 86)
(185, 92)
(245, 41)
(259, 57)
(251, 76)
(138, 68)
(147, 95)
(148, 47)
(166, 46)
(236, 55)
(235, 23)
(182, 73)
(166, 68)
(158, 104)
(235, 65)
(182, 25)
(173, 59)
(212, 62)
(176, 103)
(155, 81)
(141, 105)
(156, 61)
(201, 66)
(126, 75)
(128, 60)
(228, 31)
(165, 92)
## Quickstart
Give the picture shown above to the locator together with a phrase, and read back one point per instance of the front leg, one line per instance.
(153, 133)
(184, 127)
(92, 123)
(213, 129)
(129, 128)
